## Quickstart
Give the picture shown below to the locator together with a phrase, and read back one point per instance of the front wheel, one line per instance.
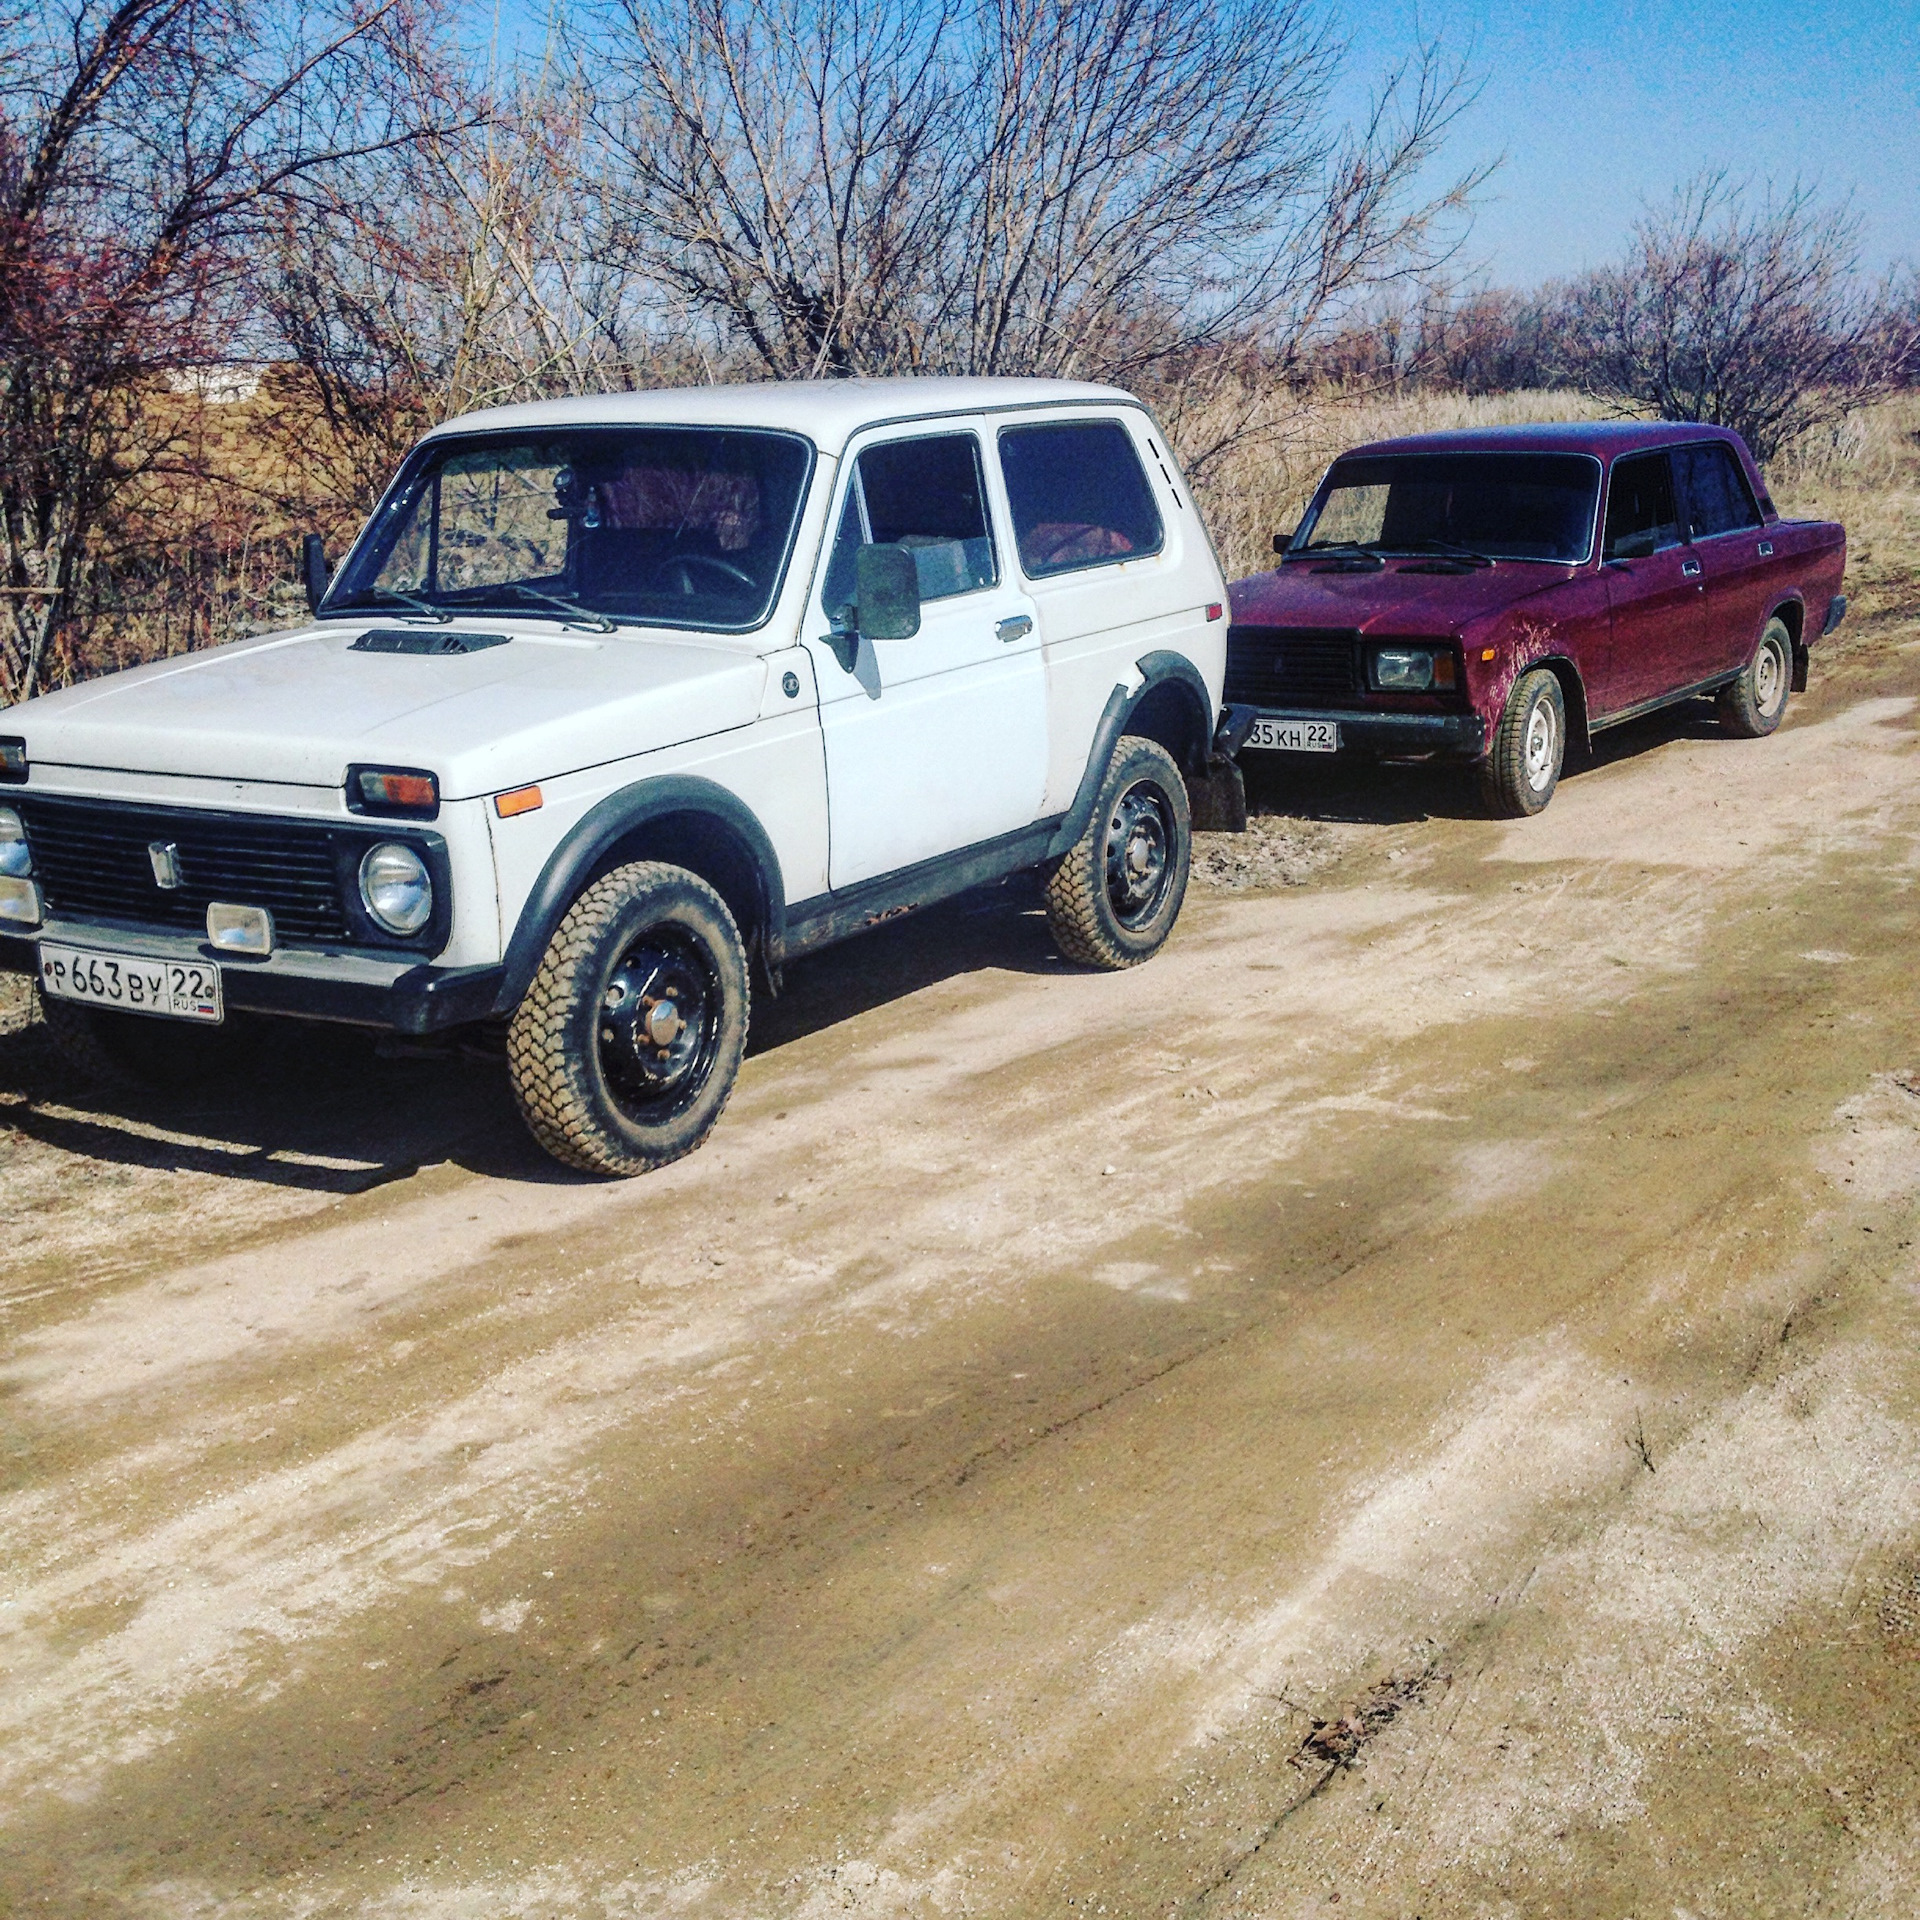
(1752, 706)
(1113, 900)
(626, 1046)
(1522, 768)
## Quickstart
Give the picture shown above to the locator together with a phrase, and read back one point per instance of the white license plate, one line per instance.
(1295, 736)
(180, 989)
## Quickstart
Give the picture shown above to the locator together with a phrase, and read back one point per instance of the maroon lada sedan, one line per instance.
(1482, 596)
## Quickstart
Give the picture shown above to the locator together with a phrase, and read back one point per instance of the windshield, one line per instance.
(1505, 506)
(671, 526)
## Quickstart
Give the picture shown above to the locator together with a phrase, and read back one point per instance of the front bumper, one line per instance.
(1380, 736)
(402, 996)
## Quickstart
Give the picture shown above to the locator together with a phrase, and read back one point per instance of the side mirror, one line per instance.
(1282, 541)
(886, 593)
(313, 569)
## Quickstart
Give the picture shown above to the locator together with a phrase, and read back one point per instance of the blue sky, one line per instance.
(1598, 108)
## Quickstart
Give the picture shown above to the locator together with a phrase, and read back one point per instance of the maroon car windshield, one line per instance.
(1482, 506)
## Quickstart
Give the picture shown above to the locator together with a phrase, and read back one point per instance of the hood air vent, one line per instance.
(413, 640)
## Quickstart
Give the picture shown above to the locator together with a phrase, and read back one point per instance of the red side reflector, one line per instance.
(1214, 609)
(520, 800)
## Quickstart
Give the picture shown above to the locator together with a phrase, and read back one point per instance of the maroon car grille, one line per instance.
(1292, 667)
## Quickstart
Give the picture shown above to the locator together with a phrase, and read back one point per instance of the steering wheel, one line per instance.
(684, 563)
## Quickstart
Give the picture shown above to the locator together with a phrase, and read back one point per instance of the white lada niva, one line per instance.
(617, 702)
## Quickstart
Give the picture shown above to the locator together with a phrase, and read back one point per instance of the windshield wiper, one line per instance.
(381, 596)
(1450, 549)
(1331, 550)
(590, 617)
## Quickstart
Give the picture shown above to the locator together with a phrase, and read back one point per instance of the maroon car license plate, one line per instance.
(1295, 736)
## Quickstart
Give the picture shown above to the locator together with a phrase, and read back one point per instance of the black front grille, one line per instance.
(93, 863)
(1292, 667)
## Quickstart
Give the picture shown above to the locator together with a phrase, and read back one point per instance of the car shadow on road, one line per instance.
(315, 1108)
(1002, 926)
(1373, 793)
(340, 1111)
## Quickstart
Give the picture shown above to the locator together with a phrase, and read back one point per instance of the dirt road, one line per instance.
(1411, 1401)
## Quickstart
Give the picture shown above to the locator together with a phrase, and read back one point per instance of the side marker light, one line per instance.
(520, 800)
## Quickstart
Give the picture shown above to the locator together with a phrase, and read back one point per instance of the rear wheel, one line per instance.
(1113, 900)
(625, 1048)
(1521, 770)
(1752, 706)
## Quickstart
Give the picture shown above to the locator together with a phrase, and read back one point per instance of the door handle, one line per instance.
(1690, 568)
(1016, 626)
(1766, 549)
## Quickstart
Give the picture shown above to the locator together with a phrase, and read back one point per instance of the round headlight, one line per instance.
(16, 857)
(396, 887)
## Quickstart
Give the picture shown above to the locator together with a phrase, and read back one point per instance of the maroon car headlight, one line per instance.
(1411, 670)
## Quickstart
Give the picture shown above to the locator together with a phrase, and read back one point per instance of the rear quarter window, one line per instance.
(1079, 496)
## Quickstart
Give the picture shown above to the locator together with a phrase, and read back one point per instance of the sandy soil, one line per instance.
(1410, 1401)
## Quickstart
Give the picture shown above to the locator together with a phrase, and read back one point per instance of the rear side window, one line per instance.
(1714, 495)
(1641, 517)
(1079, 496)
(926, 496)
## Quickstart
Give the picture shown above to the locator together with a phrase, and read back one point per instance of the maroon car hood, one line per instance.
(1393, 601)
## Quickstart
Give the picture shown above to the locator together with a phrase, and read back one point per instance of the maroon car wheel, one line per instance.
(1753, 705)
(1522, 768)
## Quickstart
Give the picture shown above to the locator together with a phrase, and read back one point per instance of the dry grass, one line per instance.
(1865, 473)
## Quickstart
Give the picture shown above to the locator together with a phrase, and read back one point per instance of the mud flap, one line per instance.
(1218, 797)
(1801, 655)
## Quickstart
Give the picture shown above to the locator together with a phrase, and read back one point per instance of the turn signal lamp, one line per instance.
(520, 800)
(393, 790)
(13, 758)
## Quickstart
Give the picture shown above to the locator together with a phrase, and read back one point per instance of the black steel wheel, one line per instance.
(1113, 900)
(625, 1047)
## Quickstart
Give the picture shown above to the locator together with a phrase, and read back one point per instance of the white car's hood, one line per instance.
(299, 707)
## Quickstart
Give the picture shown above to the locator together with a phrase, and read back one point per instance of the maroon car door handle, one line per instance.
(1690, 568)
(1766, 549)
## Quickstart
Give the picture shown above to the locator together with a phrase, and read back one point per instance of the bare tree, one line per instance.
(1113, 189)
(1740, 309)
(461, 271)
(784, 168)
(146, 149)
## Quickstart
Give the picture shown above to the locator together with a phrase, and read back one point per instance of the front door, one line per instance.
(937, 742)
(1654, 586)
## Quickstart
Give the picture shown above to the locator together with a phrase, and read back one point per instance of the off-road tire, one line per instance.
(567, 1076)
(1751, 706)
(1101, 910)
(1522, 768)
(126, 1052)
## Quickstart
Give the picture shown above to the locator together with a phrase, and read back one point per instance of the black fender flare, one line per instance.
(602, 828)
(1160, 668)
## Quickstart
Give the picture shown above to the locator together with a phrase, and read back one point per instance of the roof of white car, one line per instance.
(826, 411)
